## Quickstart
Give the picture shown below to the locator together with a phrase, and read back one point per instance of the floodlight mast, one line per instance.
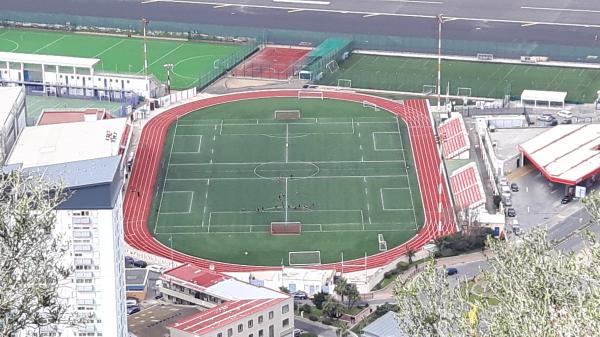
(145, 23)
(440, 19)
(169, 67)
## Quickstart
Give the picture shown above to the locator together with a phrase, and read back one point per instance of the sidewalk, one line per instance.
(388, 291)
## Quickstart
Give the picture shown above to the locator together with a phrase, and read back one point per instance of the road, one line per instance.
(315, 328)
(567, 22)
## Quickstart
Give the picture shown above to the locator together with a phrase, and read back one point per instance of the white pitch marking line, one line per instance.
(222, 6)
(295, 10)
(555, 9)
(109, 48)
(369, 15)
(286, 199)
(162, 57)
(529, 24)
(49, 44)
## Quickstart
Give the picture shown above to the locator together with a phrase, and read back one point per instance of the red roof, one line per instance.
(223, 315)
(196, 275)
(454, 137)
(71, 116)
(466, 187)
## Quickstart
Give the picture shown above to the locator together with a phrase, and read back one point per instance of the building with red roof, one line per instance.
(234, 308)
(72, 116)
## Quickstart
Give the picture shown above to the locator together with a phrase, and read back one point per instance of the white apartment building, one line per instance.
(12, 118)
(87, 158)
(234, 308)
(73, 76)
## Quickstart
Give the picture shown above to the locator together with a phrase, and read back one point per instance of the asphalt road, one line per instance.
(534, 22)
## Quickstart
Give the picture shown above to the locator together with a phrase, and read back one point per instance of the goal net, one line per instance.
(286, 228)
(382, 243)
(344, 83)
(310, 94)
(429, 89)
(367, 104)
(332, 66)
(465, 92)
(284, 115)
(485, 57)
(304, 258)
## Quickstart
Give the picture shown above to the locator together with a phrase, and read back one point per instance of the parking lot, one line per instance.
(153, 321)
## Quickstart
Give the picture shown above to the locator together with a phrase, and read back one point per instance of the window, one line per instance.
(251, 335)
(285, 308)
(260, 319)
(271, 314)
(240, 327)
(220, 334)
(250, 324)
(229, 332)
(285, 322)
(271, 331)
(261, 333)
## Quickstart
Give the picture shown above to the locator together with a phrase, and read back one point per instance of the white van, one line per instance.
(565, 114)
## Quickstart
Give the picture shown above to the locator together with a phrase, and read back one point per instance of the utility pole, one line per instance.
(169, 67)
(440, 19)
(145, 23)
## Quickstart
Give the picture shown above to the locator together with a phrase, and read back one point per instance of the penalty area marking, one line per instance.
(375, 142)
(191, 199)
(383, 199)
(199, 143)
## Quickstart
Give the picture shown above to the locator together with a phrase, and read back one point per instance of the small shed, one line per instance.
(546, 99)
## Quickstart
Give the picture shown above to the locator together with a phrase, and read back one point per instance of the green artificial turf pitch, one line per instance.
(484, 79)
(345, 174)
(122, 54)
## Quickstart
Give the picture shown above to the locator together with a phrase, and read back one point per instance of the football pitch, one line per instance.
(479, 79)
(122, 54)
(345, 172)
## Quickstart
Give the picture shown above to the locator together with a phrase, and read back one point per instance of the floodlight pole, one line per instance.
(145, 23)
(440, 19)
(169, 67)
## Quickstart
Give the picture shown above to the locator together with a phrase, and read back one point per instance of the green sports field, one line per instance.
(122, 54)
(480, 79)
(344, 171)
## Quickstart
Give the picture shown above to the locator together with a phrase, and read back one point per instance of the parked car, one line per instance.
(565, 114)
(129, 261)
(131, 302)
(156, 268)
(566, 199)
(514, 187)
(132, 310)
(140, 263)
(507, 202)
(297, 332)
(300, 295)
(451, 271)
(553, 122)
(510, 212)
(516, 229)
(546, 118)
(566, 121)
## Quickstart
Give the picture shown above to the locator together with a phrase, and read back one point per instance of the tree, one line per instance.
(32, 255)
(332, 308)
(319, 298)
(529, 290)
(410, 253)
(284, 290)
(341, 286)
(352, 294)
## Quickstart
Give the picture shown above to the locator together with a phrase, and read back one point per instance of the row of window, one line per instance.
(240, 328)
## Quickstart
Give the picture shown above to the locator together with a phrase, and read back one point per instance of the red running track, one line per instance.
(272, 62)
(439, 217)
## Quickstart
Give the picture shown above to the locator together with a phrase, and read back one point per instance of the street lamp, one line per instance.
(169, 67)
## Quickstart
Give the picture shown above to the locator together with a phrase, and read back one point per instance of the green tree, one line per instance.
(332, 308)
(352, 294)
(529, 289)
(319, 298)
(284, 290)
(341, 287)
(410, 253)
(33, 266)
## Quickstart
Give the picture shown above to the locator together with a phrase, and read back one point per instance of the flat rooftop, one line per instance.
(508, 140)
(62, 143)
(63, 61)
(566, 154)
(153, 321)
(71, 116)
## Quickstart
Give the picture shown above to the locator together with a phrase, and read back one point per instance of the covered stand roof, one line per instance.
(467, 187)
(454, 137)
(543, 96)
(63, 61)
(566, 154)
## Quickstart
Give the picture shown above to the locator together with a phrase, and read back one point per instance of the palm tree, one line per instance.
(332, 308)
(341, 287)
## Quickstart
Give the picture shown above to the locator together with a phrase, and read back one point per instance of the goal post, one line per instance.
(304, 258)
(310, 94)
(382, 243)
(284, 115)
(485, 57)
(367, 104)
(332, 66)
(344, 83)
(286, 228)
(463, 91)
(429, 89)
